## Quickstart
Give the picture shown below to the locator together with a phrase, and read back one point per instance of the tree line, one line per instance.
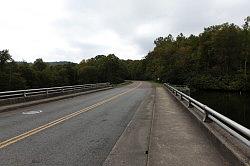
(216, 59)
(23, 75)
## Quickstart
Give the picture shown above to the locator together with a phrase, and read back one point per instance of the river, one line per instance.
(233, 105)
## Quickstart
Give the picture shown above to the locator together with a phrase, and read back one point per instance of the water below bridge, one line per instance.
(233, 105)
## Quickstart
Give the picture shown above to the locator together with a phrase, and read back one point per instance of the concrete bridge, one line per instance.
(137, 124)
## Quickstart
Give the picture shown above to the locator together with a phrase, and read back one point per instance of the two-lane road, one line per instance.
(76, 131)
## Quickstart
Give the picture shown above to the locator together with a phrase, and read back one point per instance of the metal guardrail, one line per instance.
(48, 91)
(183, 88)
(235, 129)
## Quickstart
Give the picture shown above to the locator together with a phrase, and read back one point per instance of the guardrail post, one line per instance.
(62, 90)
(181, 97)
(176, 94)
(205, 117)
(47, 92)
(206, 114)
(24, 94)
(189, 104)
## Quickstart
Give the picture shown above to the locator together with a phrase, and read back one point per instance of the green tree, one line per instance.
(5, 57)
(88, 74)
(39, 64)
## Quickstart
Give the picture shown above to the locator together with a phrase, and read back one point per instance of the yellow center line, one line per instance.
(60, 120)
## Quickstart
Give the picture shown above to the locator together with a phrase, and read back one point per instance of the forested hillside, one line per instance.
(216, 59)
(24, 75)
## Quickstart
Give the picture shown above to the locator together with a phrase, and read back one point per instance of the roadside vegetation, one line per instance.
(216, 59)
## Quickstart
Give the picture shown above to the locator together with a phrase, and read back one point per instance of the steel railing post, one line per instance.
(205, 116)
(190, 104)
(24, 94)
(205, 112)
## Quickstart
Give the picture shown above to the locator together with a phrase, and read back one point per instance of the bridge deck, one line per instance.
(113, 127)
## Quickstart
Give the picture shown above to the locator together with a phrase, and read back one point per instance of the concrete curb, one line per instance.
(234, 150)
(46, 100)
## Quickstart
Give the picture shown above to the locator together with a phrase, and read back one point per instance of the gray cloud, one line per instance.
(82, 29)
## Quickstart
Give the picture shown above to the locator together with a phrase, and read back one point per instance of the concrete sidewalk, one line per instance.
(176, 139)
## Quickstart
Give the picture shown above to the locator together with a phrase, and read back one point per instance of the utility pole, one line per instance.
(10, 75)
(246, 29)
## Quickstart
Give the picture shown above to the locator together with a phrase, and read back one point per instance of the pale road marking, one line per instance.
(32, 112)
(170, 112)
(60, 120)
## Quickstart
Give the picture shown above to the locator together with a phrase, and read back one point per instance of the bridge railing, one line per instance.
(48, 91)
(235, 129)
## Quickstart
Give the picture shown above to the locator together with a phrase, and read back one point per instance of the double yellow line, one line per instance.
(60, 120)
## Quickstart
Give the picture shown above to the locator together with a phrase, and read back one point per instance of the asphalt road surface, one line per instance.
(76, 131)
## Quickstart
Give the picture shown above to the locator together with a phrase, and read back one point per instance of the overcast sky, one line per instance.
(72, 30)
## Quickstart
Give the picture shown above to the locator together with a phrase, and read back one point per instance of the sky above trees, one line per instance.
(73, 30)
